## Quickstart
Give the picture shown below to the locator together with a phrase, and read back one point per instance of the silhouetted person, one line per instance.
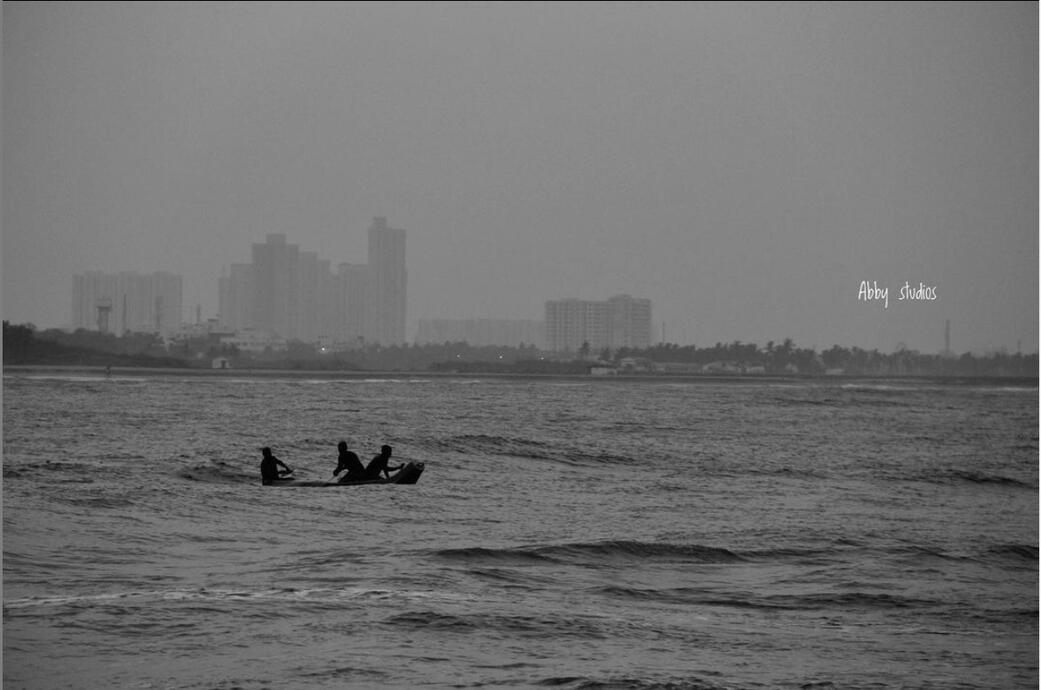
(348, 460)
(269, 471)
(378, 464)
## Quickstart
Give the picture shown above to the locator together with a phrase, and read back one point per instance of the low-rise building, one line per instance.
(251, 340)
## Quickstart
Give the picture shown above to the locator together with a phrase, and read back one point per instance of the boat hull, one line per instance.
(409, 474)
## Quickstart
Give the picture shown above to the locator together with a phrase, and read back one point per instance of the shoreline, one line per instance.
(89, 370)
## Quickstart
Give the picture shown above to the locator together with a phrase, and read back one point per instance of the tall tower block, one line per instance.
(388, 280)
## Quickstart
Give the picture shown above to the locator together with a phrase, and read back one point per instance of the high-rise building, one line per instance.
(294, 295)
(352, 290)
(127, 302)
(621, 321)
(236, 297)
(630, 322)
(572, 324)
(275, 288)
(327, 319)
(386, 300)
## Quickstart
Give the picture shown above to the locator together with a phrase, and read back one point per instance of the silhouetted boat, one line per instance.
(409, 474)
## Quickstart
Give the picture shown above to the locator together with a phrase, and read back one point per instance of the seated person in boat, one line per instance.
(349, 460)
(269, 467)
(378, 464)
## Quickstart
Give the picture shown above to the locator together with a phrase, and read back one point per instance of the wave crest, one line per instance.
(611, 550)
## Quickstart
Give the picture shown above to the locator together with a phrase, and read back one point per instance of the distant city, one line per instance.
(286, 294)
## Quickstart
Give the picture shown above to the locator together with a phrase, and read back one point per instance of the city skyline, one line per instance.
(294, 294)
(85, 315)
(291, 293)
(747, 167)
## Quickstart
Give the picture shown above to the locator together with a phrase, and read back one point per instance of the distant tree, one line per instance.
(18, 341)
(836, 357)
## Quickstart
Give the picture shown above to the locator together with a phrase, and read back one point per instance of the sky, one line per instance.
(745, 166)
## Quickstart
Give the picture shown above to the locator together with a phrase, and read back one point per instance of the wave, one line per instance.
(954, 477)
(975, 477)
(798, 555)
(856, 600)
(970, 385)
(624, 683)
(1023, 555)
(98, 502)
(618, 551)
(1002, 556)
(593, 552)
(887, 387)
(77, 378)
(849, 600)
(597, 459)
(479, 554)
(642, 551)
(524, 448)
(316, 381)
(506, 578)
(76, 472)
(682, 595)
(536, 624)
(317, 595)
(218, 472)
(485, 444)
(540, 624)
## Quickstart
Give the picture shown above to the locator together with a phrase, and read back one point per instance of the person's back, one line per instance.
(269, 467)
(348, 460)
(378, 464)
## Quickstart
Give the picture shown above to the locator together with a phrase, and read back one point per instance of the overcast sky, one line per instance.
(743, 166)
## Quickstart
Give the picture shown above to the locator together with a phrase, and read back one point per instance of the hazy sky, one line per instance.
(744, 166)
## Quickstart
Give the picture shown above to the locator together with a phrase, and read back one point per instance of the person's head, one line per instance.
(342, 446)
(266, 452)
(385, 451)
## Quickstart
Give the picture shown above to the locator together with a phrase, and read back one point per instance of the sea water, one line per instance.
(565, 533)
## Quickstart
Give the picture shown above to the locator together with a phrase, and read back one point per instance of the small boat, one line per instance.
(409, 474)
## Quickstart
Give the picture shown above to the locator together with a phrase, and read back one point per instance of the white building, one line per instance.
(621, 321)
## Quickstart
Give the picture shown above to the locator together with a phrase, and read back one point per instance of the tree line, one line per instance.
(23, 344)
(785, 357)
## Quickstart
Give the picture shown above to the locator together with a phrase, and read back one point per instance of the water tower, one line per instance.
(104, 307)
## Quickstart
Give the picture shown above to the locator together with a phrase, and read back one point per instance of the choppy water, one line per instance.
(575, 534)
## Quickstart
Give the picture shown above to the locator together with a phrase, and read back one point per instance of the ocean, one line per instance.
(566, 533)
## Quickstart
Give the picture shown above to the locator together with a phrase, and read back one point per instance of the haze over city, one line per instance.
(745, 166)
